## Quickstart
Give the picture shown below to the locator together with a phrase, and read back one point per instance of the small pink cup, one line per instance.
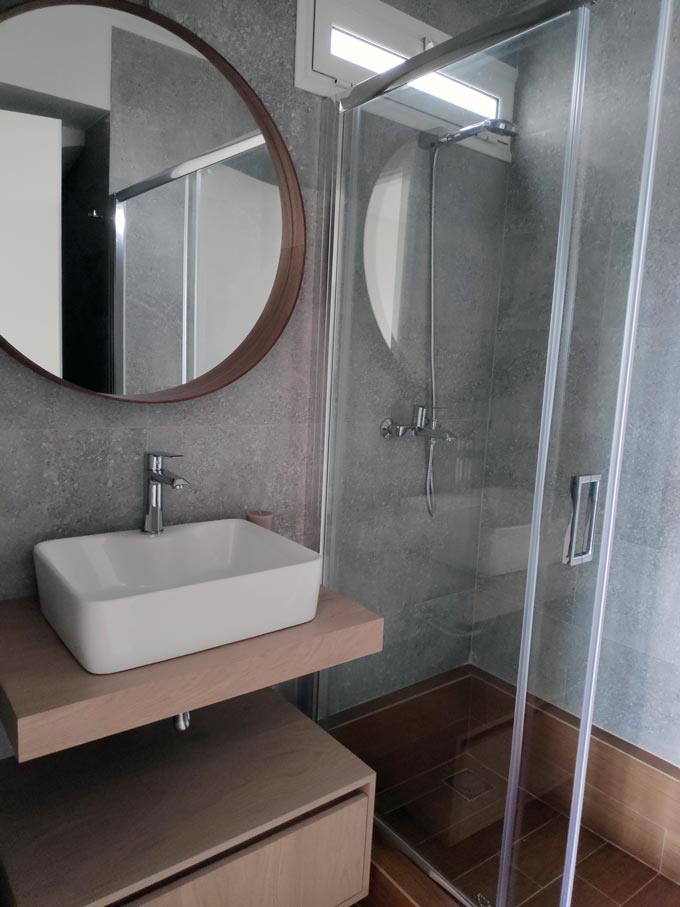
(264, 518)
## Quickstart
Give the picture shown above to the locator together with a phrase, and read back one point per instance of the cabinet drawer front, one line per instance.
(318, 862)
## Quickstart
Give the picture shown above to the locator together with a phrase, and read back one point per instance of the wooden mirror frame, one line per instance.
(286, 287)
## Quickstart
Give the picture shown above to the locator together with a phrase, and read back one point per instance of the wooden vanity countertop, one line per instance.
(48, 702)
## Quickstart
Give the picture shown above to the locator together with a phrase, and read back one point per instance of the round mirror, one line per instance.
(152, 239)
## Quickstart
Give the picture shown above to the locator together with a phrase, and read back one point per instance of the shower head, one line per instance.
(495, 127)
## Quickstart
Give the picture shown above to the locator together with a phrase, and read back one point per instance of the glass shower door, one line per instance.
(452, 256)
(487, 277)
(182, 259)
(582, 856)
(485, 280)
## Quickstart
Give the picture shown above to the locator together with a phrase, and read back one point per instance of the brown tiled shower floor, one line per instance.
(441, 751)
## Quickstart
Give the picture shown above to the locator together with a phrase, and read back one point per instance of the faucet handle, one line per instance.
(153, 459)
(420, 416)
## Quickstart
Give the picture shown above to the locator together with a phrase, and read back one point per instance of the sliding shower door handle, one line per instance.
(578, 485)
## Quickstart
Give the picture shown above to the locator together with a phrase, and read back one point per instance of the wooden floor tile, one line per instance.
(411, 736)
(443, 807)
(418, 738)
(615, 873)
(483, 880)
(396, 697)
(461, 848)
(540, 855)
(660, 892)
(433, 780)
(492, 748)
(612, 819)
(414, 757)
(488, 702)
(397, 882)
(417, 786)
(584, 896)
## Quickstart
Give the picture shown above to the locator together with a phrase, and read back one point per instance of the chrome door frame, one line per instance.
(457, 48)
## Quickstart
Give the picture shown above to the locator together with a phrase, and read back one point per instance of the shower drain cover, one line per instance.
(469, 785)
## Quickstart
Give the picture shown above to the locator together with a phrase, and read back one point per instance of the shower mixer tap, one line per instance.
(422, 425)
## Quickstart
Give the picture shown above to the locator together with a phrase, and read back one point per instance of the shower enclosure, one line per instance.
(171, 277)
(493, 209)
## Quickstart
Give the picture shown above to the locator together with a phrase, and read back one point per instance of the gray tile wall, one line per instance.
(74, 461)
(385, 549)
(639, 690)
(417, 571)
(639, 683)
(544, 60)
(496, 234)
(167, 106)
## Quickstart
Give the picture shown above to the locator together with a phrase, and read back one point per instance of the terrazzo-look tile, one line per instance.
(8, 4)
(278, 391)
(534, 185)
(638, 700)
(543, 91)
(422, 639)
(86, 484)
(177, 102)
(154, 289)
(237, 31)
(496, 644)
(245, 446)
(416, 570)
(610, 186)
(454, 18)
(527, 284)
(641, 612)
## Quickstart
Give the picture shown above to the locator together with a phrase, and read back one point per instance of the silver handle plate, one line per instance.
(578, 483)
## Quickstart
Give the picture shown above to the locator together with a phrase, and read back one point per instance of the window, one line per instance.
(373, 58)
(343, 42)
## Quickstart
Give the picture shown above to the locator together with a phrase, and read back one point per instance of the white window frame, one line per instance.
(318, 71)
(371, 19)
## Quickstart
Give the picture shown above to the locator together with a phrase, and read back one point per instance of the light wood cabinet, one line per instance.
(255, 806)
(317, 862)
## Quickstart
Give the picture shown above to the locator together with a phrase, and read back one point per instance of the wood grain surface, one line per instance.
(106, 821)
(48, 702)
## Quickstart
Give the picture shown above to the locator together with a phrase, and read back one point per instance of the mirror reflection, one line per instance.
(142, 227)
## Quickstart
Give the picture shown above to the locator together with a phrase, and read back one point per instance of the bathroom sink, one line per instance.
(124, 599)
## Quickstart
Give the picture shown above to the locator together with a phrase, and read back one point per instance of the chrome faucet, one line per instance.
(436, 434)
(156, 476)
(422, 426)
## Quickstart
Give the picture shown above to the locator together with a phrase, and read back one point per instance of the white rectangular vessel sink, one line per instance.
(124, 599)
